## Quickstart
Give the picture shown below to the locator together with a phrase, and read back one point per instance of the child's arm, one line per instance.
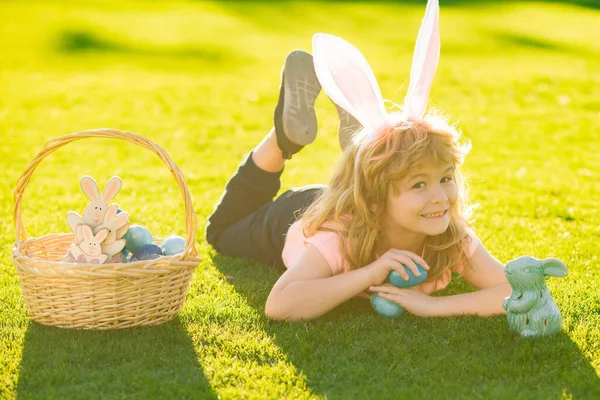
(309, 289)
(484, 303)
(485, 273)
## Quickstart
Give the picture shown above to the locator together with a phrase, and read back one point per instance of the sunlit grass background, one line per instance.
(521, 79)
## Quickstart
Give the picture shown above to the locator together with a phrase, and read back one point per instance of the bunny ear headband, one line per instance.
(348, 80)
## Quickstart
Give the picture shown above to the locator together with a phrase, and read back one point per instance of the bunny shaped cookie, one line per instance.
(530, 309)
(94, 212)
(88, 249)
(116, 225)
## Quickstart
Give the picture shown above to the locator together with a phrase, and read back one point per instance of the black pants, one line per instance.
(248, 223)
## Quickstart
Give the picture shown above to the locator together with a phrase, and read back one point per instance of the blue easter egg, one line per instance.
(147, 250)
(397, 280)
(386, 307)
(137, 236)
(148, 256)
(173, 245)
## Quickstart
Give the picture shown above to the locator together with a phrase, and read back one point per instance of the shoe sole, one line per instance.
(301, 88)
(348, 127)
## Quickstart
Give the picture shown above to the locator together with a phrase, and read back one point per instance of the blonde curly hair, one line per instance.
(352, 205)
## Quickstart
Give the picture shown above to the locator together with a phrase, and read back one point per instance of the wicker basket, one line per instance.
(105, 296)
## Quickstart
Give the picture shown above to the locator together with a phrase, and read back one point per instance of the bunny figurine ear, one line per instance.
(100, 236)
(90, 187)
(424, 65)
(86, 232)
(111, 211)
(112, 188)
(347, 78)
(79, 234)
(554, 267)
(121, 220)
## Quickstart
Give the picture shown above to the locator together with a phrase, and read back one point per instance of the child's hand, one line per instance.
(395, 260)
(411, 299)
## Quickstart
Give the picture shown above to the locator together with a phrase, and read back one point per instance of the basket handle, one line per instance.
(56, 143)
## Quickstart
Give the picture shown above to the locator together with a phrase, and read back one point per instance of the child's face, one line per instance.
(426, 200)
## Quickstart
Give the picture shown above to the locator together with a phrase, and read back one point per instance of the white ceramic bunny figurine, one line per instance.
(94, 212)
(116, 225)
(88, 249)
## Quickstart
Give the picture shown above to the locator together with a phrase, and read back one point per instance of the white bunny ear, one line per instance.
(425, 61)
(100, 236)
(348, 80)
(86, 231)
(112, 188)
(90, 187)
(79, 234)
(122, 230)
(121, 219)
(110, 212)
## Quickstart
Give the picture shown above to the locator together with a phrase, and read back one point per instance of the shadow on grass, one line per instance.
(81, 42)
(386, 15)
(594, 4)
(279, 13)
(354, 353)
(155, 362)
(520, 40)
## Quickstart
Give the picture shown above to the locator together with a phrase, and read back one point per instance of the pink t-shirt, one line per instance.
(328, 243)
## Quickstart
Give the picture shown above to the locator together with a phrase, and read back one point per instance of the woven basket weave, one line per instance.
(105, 296)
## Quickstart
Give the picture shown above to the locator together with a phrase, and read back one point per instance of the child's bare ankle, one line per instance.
(267, 155)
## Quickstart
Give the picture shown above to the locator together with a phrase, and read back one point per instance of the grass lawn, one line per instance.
(200, 79)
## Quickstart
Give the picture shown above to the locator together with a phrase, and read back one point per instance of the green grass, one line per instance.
(200, 79)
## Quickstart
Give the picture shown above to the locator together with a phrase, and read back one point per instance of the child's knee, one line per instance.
(212, 235)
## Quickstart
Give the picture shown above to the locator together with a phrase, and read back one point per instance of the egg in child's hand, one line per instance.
(397, 280)
(173, 245)
(136, 237)
(386, 307)
(148, 252)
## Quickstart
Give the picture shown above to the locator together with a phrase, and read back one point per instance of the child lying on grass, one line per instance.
(397, 198)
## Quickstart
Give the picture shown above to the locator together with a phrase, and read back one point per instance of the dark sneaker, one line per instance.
(348, 127)
(295, 119)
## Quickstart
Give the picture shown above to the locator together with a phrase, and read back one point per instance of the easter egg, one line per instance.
(147, 251)
(148, 256)
(125, 253)
(386, 307)
(173, 245)
(137, 236)
(397, 280)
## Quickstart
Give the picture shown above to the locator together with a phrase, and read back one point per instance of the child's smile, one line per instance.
(435, 222)
(435, 215)
(423, 204)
